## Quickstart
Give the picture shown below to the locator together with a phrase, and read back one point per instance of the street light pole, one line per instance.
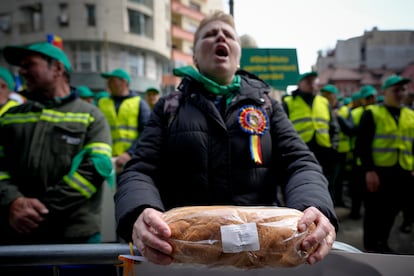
(231, 7)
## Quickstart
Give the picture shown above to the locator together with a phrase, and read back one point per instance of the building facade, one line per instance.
(101, 35)
(185, 17)
(368, 59)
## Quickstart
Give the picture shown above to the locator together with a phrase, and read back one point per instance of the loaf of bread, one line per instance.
(243, 237)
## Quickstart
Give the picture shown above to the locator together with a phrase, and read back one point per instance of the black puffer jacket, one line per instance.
(204, 158)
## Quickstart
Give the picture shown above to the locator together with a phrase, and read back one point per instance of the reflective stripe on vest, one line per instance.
(99, 148)
(307, 121)
(124, 124)
(4, 175)
(47, 115)
(80, 184)
(393, 142)
(10, 103)
(344, 140)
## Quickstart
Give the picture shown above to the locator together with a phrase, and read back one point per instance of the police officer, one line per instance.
(152, 95)
(55, 155)
(384, 144)
(367, 97)
(126, 113)
(6, 88)
(344, 118)
(86, 94)
(314, 120)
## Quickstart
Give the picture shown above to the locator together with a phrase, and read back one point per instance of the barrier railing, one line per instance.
(66, 254)
(95, 258)
(102, 259)
(61, 254)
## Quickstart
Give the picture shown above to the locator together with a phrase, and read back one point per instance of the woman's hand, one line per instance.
(149, 236)
(323, 236)
(151, 231)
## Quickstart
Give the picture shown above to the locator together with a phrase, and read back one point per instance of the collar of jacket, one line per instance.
(307, 97)
(252, 88)
(121, 98)
(43, 102)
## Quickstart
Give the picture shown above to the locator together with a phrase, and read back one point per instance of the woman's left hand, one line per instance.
(323, 236)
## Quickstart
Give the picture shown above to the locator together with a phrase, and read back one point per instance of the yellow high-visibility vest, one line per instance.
(10, 103)
(124, 124)
(393, 142)
(309, 121)
(356, 117)
(344, 140)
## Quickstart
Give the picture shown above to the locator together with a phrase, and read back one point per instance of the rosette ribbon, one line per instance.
(253, 120)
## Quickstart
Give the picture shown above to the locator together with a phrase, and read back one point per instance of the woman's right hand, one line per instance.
(149, 236)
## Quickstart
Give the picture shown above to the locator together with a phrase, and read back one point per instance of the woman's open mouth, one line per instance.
(221, 51)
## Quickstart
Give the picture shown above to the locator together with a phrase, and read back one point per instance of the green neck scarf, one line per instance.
(220, 90)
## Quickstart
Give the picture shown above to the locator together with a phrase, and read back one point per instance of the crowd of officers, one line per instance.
(361, 141)
(365, 145)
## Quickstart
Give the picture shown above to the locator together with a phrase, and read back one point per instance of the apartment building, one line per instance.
(368, 59)
(141, 36)
(185, 17)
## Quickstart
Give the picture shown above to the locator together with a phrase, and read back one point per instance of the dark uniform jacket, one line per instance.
(203, 158)
(38, 142)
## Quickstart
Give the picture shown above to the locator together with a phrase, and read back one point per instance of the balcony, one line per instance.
(182, 57)
(180, 33)
(177, 7)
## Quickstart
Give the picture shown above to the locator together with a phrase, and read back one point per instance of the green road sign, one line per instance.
(277, 67)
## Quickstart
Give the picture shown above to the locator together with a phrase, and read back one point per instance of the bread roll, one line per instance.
(243, 237)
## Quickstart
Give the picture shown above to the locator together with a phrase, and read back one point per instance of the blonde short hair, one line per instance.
(215, 16)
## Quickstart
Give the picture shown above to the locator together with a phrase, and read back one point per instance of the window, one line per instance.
(63, 17)
(90, 15)
(363, 54)
(133, 64)
(5, 23)
(147, 3)
(141, 65)
(140, 23)
(168, 36)
(123, 58)
(140, 58)
(179, 63)
(192, 27)
(195, 6)
(151, 68)
(98, 61)
(167, 12)
(32, 18)
(136, 64)
(85, 59)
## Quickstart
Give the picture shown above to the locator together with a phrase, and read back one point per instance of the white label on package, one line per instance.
(239, 237)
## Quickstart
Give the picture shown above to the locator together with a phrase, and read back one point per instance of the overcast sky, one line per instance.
(312, 25)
